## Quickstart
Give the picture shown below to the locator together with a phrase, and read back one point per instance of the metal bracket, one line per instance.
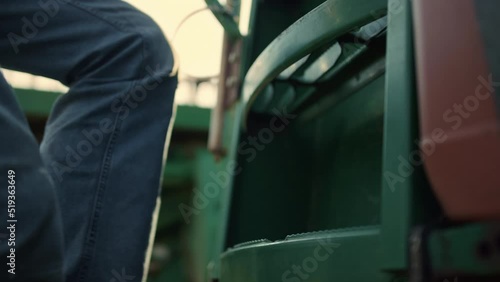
(419, 257)
(230, 80)
(225, 17)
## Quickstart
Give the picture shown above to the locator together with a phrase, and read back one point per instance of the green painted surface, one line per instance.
(399, 133)
(324, 256)
(192, 118)
(321, 171)
(406, 197)
(469, 250)
(204, 228)
(173, 272)
(36, 103)
(346, 151)
(229, 166)
(178, 172)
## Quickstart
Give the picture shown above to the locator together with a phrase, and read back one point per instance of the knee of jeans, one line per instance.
(158, 56)
(133, 54)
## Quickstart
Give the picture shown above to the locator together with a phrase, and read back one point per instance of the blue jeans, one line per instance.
(85, 199)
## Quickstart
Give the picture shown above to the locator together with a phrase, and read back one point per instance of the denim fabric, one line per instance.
(87, 194)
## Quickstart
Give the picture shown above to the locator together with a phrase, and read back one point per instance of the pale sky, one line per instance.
(199, 41)
(198, 44)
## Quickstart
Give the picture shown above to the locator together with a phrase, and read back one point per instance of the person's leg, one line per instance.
(31, 240)
(104, 142)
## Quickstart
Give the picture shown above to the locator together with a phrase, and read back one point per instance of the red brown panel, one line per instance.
(457, 109)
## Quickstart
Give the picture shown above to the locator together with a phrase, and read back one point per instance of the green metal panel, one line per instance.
(227, 164)
(341, 255)
(307, 177)
(399, 133)
(406, 197)
(171, 198)
(177, 172)
(203, 228)
(171, 273)
(206, 230)
(346, 143)
(36, 103)
(191, 118)
(467, 250)
(271, 195)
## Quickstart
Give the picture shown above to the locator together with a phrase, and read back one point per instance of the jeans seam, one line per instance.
(120, 26)
(90, 240)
